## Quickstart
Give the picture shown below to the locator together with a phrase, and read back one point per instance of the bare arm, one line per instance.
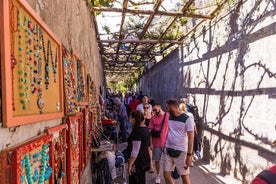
(134, 153)
(190, 147)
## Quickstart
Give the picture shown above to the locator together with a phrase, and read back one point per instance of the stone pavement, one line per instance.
(199, 173)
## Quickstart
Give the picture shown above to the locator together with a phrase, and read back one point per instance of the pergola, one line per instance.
(145, 30)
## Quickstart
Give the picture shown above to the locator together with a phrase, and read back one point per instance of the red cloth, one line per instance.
(259, 180)
(133, 104)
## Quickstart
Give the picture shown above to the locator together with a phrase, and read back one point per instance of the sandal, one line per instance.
(151, 170)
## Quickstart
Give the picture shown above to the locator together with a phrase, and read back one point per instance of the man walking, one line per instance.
(121, 114)
(159, 121)
(179, 143)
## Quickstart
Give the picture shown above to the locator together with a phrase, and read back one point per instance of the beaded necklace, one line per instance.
(24, 67)
(54, 65)
(60, 147)
(40, 101)
(14, 28)
(35, 61)
(45, 169)
(47, 67)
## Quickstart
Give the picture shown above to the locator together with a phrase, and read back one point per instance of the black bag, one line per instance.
(173, 153)
(157, 133)
(175, 174)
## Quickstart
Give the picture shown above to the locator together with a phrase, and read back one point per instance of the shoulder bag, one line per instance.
(157, 133)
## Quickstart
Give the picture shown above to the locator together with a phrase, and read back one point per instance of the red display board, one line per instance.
(74, 152)
(30, 162)
(59, 153)
(87, 135)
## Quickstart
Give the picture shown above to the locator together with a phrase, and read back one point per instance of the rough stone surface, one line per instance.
(228, 70)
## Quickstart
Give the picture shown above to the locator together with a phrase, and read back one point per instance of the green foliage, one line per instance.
(231, 2)
(117, 86)
(107, 29)
(183, 21)
(191, 9)
(127, 84)
(106, 3)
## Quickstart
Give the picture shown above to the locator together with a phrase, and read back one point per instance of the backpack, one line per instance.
(197, 136)
(194, 110)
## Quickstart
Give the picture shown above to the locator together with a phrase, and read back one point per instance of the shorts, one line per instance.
(157, 153)
(179, 162)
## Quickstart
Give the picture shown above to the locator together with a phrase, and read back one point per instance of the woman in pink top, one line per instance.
(158, 143)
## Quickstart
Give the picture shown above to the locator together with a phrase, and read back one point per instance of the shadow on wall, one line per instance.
(239, 40)
(230, 67)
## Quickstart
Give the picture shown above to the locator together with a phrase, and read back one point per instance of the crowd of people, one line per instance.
(155, 133)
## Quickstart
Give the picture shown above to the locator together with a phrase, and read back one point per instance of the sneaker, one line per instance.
(198, 154)
(157, 179)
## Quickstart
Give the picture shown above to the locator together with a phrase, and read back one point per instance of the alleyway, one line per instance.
(200, 174)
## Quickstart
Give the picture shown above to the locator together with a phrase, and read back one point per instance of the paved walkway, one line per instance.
(199, 173)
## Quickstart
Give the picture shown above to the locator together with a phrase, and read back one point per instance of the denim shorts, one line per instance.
(157, 153)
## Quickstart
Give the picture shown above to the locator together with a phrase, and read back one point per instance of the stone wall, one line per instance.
(70, 21)
(228, 70)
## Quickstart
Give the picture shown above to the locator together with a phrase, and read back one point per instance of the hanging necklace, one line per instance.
(14, 11)
(45, 169)
(35, 61)
(40, 101)
(54, 65)
(47, 67)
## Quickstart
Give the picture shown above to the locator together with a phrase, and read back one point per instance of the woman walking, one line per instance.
(139, 144)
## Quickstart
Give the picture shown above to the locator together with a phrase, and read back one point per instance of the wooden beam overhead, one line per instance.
(183, 9)
(149, 12)
(140, 41)
(121, 27)
(119, 52)
(133, 53)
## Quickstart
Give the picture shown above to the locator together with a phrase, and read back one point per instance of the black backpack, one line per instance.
(194, 110)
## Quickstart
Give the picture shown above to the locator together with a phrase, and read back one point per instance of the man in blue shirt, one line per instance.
(121, 114)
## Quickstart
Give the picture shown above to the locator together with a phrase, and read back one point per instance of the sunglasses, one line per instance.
(146, 107)
(154, 110)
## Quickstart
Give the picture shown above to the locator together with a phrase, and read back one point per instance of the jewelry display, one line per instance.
(92, 93)
(81, 81)
(34, 68)
(70, 88)
(29, 163)
(74, 138)
(60, 147)
(87, 135)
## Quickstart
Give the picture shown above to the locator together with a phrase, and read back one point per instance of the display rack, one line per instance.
(29, 163)
(59, 153)
(70, 82)
(92, 92)
(82, 90)
(74, 152)
(31, 68)
(87, 135)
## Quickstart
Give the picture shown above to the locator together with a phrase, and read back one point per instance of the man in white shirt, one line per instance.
(179, 143)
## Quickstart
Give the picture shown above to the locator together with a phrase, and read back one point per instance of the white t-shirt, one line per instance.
(140, 107)
(177, 133)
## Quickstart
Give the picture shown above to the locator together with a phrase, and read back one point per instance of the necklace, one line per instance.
(47, 67)
(14, 11)
(40, 101)
(54, 65)
(27, 167)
